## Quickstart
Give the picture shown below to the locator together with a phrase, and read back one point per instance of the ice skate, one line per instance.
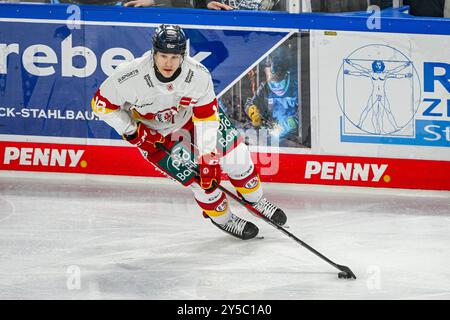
(238, 228)
(270, 211)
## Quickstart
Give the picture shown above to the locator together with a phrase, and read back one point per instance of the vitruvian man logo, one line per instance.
(379, 92)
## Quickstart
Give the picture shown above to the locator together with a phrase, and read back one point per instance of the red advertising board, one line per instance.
(287, 168)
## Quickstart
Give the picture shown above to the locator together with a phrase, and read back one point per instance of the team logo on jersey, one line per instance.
(253, 182)
(222, 206)
(166, 115)
(170, 87)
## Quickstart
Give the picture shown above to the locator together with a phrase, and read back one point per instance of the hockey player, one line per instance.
(167, 98)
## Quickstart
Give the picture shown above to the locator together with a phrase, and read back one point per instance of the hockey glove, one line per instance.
(145, 138)
(255, 116)
(210, 172)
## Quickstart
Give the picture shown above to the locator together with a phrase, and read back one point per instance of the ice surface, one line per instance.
(130, 238)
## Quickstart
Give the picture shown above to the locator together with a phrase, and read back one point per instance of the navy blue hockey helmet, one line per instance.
(169, 39)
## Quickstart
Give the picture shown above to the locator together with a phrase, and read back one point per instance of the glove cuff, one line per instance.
(209, 159)
(130, 137)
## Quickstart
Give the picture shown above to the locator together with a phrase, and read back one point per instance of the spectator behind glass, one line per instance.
(129, 3)
(338, 5)
(383, 4)
(347, 5)
(201, 4)
(428, 8)
(243, 5)
(95, 2)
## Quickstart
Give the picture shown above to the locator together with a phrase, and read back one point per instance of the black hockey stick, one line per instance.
(345, 273)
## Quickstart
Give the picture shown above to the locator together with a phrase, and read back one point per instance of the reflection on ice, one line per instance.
(135, 238)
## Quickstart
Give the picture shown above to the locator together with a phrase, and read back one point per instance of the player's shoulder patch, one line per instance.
(194, 65)
(189, 76)
(196, 76)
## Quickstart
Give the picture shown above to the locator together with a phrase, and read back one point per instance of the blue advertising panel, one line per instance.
(50, 71)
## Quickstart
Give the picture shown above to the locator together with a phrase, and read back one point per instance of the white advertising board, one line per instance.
(380, 95)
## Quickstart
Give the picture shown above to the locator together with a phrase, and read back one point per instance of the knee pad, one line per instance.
(238, 163)
(242, 172)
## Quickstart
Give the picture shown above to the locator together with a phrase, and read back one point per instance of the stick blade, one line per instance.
(346, 273)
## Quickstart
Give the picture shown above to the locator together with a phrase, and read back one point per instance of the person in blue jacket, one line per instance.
(275, 104)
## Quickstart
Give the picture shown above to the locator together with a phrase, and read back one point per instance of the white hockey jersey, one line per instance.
(134, 94)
